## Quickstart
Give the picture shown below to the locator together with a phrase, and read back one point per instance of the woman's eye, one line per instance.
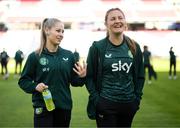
(60, 31)
(112, 19)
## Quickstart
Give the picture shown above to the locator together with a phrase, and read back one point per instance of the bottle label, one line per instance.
(47, 97)
(48, 100)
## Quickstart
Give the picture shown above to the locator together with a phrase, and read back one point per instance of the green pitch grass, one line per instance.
(160, 106)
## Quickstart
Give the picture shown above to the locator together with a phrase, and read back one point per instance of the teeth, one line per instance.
(118, 26)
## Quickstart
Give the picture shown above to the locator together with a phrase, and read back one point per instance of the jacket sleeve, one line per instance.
(140, 75)
(92, 65)
(76, 80)
(91, 80)
(27, 79)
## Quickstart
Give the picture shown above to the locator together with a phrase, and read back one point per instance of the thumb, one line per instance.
(45, 86)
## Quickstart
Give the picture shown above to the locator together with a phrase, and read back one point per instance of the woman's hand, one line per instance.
(80, 69)
(40, 87)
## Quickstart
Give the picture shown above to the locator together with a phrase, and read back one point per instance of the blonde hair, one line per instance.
(47, 23)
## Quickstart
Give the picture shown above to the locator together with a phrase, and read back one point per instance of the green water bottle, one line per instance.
(48, 100)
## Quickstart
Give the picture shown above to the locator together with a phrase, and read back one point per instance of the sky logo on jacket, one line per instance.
(121, 66)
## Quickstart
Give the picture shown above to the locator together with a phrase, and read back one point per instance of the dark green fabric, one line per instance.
(4, 57)
(172, 56)
(94, 73)
(117, 78)
(147, 56)
(19, 56)
(54, 70)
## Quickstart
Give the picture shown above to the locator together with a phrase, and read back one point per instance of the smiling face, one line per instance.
(115, 22)
(55, 34)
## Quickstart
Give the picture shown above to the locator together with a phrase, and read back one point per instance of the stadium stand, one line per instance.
(33, 11)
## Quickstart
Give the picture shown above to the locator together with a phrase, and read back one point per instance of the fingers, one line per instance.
(81, 66)
(76, 71)
(83, 74)
(84, 65)
(84, 69)
(80, 70)
(41, 87)
(78, 66)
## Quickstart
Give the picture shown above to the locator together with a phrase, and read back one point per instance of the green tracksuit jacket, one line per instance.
(94, 73)
(56, 71)
(19, 56)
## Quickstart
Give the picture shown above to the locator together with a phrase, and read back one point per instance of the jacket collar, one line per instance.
(46, 51)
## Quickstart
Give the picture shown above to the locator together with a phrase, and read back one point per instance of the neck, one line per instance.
(116, 39)
(51, 47)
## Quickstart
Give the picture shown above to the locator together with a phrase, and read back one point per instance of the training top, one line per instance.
(19, 56)
(110, 67)
(172, 56)
(146, 55)
(54, 70)
(4, 57)
(117, 77)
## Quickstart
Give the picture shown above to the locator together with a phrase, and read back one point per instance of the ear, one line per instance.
(46, 30)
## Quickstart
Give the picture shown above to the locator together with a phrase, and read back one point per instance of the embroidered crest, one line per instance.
(38, 110)
(130, 54)
(43, 61)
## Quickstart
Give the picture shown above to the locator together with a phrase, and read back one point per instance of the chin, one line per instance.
(120, 30)
(118, 33)
(56, 43)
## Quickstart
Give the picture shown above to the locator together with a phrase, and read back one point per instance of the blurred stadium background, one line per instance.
(151, 22)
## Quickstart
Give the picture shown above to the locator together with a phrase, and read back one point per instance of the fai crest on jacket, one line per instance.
(43, 61)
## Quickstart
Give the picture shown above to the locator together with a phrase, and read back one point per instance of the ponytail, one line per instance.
(47, 23)
(132, 45)
(42, 37)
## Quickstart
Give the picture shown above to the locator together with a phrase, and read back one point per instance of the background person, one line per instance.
(4, 62)
(76, 55)
(51, 67)
(115, 75)
(147, 63)
(19, 56)
(172, 64)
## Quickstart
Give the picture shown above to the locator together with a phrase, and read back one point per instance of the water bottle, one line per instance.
(48, 100)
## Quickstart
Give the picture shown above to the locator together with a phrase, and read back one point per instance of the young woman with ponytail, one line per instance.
(54, 68)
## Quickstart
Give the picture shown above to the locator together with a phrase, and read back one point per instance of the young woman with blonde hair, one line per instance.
(54, 68)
